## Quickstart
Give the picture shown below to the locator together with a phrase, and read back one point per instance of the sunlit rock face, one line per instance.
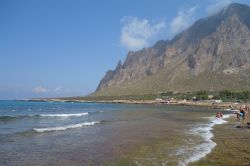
(213, 54)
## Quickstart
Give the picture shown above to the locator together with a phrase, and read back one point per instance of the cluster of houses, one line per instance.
(193, 99)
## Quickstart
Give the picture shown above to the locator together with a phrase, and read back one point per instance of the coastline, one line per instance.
(205, 131)
(204, 103)
(217, 131)
(232, 147)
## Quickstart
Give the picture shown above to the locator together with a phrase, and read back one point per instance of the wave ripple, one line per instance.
(64, 115)
(61, 128)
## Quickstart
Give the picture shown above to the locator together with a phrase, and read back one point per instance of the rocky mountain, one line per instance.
(213, 54)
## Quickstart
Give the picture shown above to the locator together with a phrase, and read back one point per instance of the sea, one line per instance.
(83, 134)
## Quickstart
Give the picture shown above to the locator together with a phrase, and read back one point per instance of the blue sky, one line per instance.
(52, 48)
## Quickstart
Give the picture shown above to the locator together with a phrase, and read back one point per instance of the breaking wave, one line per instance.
(61, 128)
(205, 132)
(10, 118)
(64, 115)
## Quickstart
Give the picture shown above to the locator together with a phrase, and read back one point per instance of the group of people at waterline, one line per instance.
(240, 115)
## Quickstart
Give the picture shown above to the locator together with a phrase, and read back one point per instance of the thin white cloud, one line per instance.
(40, 89)
(183, 20)
(217, 5)
(136, 33)
(58, 89)
(62, 91)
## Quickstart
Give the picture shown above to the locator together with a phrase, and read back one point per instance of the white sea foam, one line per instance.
(61, 128)
(205, 148)
(64, 115)
(234, 110)
(229, 109)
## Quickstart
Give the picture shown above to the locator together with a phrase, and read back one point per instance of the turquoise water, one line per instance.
(57, 133)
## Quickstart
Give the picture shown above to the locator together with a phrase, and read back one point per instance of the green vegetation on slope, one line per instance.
(165, 81)
(225, 95)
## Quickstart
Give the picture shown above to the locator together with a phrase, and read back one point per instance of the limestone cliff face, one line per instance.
(213, 54)
(136, 66)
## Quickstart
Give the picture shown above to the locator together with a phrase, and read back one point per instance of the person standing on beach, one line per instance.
(243, 113)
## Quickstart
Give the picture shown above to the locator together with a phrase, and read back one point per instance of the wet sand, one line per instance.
(233, 146)
(232, 149)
